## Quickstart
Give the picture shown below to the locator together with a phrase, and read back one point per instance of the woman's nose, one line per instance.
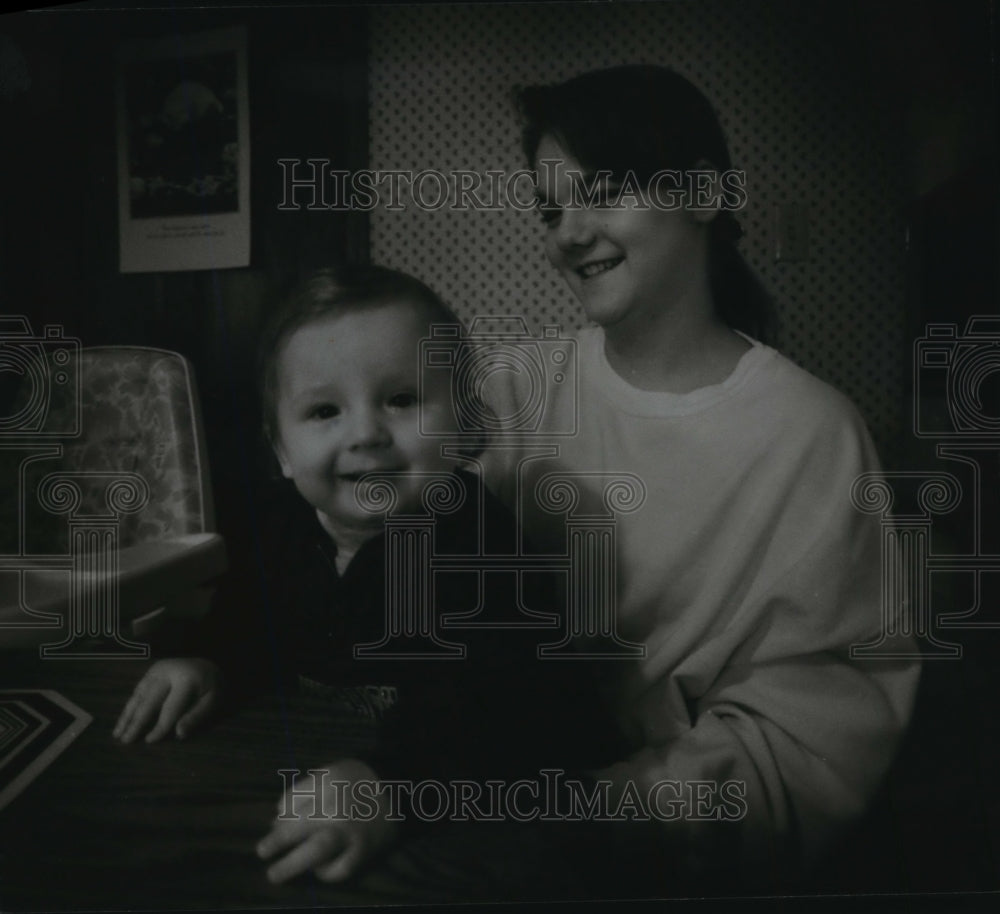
(367, 429)
(576, 228)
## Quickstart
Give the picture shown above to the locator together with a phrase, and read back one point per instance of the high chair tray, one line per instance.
(150, 575)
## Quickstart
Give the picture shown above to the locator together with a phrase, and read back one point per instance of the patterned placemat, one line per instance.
(36, 725)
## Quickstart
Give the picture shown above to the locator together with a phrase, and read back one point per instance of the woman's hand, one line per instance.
(177, 694)
(351, 827)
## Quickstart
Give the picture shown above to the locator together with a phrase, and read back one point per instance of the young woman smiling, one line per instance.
(747, 575)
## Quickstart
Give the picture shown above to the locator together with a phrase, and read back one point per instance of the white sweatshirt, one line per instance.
(747, 574)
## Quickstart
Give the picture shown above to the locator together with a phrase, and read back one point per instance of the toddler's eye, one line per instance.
(403, 400)
(324, 411)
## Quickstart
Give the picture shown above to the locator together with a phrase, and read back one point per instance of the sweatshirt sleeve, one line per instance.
(792, 729)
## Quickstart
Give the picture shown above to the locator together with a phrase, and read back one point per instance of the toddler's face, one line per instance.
(348, 405)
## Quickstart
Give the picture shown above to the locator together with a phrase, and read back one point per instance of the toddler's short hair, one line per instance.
(334, 291)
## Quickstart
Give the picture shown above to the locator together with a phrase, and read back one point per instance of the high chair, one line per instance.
(108, 523)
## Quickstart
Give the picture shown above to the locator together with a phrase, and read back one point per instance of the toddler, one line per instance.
(343, 397)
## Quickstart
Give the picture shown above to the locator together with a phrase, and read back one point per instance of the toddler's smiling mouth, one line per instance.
(355, 475)
(595, 268)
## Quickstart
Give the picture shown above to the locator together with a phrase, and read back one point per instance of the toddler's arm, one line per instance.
(175, 695)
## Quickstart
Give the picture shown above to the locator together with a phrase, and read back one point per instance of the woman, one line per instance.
(746, 574)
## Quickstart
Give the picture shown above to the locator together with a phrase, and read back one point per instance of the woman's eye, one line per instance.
(548, 214)
(607, 195)
(324, 411)
(403, 400)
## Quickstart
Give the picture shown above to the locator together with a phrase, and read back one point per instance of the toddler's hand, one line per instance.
(335, 846)
(182, 692)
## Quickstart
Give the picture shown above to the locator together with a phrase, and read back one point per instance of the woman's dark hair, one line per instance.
(335, 291)
(641, 119)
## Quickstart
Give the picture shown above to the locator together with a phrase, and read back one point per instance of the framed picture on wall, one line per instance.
(184, 153)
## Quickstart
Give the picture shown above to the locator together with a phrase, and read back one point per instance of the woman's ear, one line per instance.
(704, 193)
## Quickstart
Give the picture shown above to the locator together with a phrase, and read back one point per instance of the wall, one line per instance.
(790, 83)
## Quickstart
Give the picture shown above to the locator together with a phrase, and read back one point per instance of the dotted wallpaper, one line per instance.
(792, 98)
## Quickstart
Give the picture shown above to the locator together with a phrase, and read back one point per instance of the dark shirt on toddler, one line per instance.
(477, 703)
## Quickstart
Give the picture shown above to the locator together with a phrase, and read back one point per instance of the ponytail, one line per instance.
(741, 301)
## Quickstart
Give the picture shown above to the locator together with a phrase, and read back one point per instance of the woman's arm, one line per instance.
(770, 700)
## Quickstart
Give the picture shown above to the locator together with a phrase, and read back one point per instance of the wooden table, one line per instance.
(173, 825)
